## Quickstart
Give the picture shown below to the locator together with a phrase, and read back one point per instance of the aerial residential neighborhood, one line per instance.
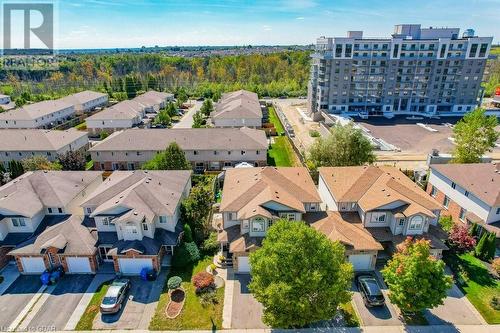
(249, 166)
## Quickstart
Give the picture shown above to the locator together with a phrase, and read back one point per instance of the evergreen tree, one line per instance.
(474, 230)
(207, 107)
(15, 169)
(482, 247)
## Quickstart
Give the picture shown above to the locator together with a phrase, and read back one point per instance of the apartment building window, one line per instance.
(446, 201)
(461, 216)
(453, 185)
(18, 222)
(473, 50)
(395, 51)
(433, 191)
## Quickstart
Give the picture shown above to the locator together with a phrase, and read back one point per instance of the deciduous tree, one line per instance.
(461, 239)
(173, 158)
(73, 160)
(345, 146)
(207, 107)
(299, 275)
(39, 162)
(416, 279)
(474, 135)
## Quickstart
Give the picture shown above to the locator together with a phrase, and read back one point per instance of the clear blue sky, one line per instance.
(133, 23)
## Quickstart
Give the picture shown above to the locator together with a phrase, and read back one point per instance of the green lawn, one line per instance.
(479, 286)
(81, 126)
(193, 316)
(89, 165)
(281, 153)
(85, 322)
(273, 118)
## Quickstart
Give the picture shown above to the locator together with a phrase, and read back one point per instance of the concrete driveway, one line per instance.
(375, 316)
(15, 298)
(456, 310)
(187, 119)
(246, 311)
(130, 316)
(58, 307)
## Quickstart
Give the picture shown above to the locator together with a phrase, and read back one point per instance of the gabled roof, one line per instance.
(373, 187)
(83, 97)
(35, 110)
(480, 179)
(187, 138)
(124, 110)
(68, 237)
(247, 190)
(31, 192)
(144, 193)
(346, 228)
(152, 97)
(238, 104)
(37, 139)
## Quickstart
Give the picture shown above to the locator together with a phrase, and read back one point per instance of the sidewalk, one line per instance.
(86, 298)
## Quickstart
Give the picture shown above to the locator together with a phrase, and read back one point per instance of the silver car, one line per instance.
(113, 300)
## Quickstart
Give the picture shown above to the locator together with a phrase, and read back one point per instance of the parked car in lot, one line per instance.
(113, 300)
(370, 290)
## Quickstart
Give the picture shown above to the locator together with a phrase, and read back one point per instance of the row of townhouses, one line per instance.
(238, 109)
(128, 113)
(80, 220)
(205, 148)
(18, 144)
(47, 114)
(425, 71)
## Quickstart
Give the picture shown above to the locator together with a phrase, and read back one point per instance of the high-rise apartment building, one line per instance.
(427, 71)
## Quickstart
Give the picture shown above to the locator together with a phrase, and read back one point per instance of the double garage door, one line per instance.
(76, 265)
(133, 266)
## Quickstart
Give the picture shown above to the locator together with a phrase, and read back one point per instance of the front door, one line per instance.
(103, 253)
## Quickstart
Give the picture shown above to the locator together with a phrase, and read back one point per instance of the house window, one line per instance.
(163, 219)
(243, 152)
(52, 259)
(378, 217)
(312, 206)
(453, 185)
(269, 224)
(461, 216)
(466, 193)
(233, 216)
(89, 210)
(401, 222)
(105, 221)
(446, 201)
(257, 152)
(18, 222)
(195, 152)
(498, 210)
(416, 223)
(245, 224)
(144, 227)
(60, 210)
(433, 191)
(258, 224)
(50, 210)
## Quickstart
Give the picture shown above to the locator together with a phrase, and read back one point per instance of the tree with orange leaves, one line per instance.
(416, 279)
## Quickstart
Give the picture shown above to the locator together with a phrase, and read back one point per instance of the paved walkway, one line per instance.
(10, 273)
(86, 298)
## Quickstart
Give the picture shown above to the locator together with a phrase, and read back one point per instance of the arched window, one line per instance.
(416, 222)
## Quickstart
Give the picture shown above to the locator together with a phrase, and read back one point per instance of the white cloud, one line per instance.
(299, 18)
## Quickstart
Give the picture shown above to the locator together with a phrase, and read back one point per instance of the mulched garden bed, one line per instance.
(176, 303)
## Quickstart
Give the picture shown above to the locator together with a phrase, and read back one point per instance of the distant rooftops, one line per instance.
(36, 110)
(12, 140)
(83, 97)
(238, 104)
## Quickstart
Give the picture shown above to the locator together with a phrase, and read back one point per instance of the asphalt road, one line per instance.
(187, 119)
(13, 301)
(61, 303)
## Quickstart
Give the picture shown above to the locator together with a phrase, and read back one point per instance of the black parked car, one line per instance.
(370, 290)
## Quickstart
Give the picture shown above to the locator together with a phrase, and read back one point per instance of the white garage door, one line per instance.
(33, 265)
(243, 265)
(134, 266)
(78, 265)
(361, 262)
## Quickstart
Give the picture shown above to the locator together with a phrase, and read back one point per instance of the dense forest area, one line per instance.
(123, 75)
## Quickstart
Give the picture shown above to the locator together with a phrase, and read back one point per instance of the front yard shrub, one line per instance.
(495, 303)
(188, 235)
(185, 254)
(496, 265)
(204, 282)
(208, 298)
(460, 239)
(174, 282)
(210, 245)
(446, 223)
(485, 249)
